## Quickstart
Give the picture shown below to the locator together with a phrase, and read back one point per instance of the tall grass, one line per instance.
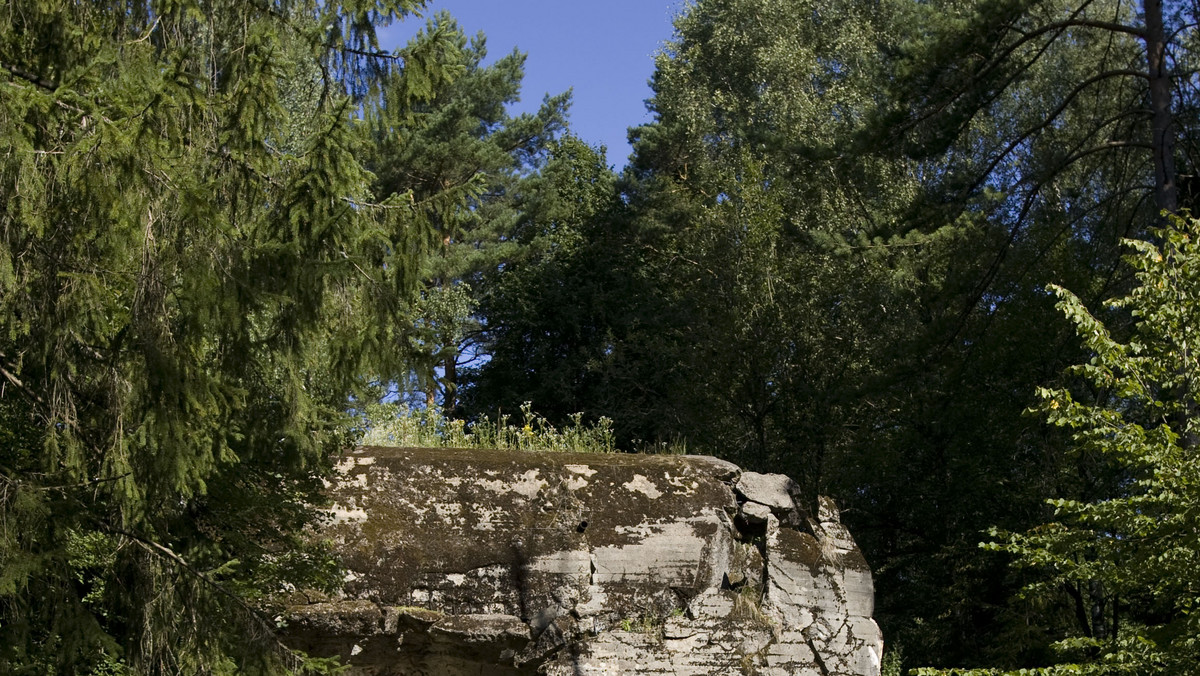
(400, 425)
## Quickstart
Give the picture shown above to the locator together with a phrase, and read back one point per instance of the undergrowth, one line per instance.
(400, 425)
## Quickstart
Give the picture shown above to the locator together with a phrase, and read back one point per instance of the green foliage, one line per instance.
(1029, 123)
(1132, 551)
(194, 279)
(829, 258)
(220, 222)
(399, 425)
(764, 285)
(893, 661)
(465, 163)
(543, 314)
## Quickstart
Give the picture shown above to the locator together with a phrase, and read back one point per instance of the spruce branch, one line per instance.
(264, 623)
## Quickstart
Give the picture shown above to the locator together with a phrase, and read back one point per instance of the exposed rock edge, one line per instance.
(489, 562)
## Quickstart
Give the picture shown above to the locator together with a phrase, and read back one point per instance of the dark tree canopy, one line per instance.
(829, 257)
(225, 225)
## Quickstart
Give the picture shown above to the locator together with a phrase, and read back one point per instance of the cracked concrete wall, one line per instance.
(489, 562)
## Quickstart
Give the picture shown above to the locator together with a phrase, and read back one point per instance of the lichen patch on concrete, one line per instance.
(644, 486)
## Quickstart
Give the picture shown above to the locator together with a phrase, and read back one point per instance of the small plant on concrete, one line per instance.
(747, 605)
(399, 425)
(648, 624)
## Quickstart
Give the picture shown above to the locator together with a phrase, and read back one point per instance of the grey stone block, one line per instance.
(467, 562)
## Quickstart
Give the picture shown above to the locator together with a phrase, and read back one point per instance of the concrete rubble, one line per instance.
(486, 562)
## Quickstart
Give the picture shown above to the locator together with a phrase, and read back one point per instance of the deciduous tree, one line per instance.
(1124, 561)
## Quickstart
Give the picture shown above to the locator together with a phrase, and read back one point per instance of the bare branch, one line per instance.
(30, 77)
(1111, 145)
(1049, 119)
(10, 377)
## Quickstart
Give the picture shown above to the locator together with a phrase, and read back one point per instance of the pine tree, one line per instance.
(466, 162)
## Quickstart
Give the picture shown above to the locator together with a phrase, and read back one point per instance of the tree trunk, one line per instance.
(1166, 194)
(450, 397)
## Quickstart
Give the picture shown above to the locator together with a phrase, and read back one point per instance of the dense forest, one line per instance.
(932, 258)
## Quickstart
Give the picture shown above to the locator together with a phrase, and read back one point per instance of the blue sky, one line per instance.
(603, 49)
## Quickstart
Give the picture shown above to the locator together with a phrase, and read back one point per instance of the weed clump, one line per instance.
(403, 426)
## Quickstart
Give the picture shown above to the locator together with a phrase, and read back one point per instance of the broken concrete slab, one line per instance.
(467, 561)
(773, 490)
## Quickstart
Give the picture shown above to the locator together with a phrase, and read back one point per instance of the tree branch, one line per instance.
(1053, 115)
(167, 553)
(8, 375)
(1002, 56)
(1111, 26)
(30, 77)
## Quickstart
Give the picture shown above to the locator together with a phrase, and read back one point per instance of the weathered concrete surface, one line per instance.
(486, 562)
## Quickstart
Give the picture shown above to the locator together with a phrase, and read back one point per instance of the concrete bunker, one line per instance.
(488, 562)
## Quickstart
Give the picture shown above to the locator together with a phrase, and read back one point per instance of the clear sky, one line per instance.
(602, 49)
